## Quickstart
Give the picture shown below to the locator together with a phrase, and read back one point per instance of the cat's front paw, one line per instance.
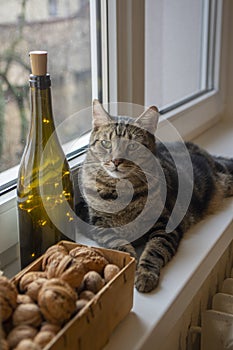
(146, 281)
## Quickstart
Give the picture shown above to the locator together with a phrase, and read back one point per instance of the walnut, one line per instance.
(110, 271)
(7, 285)
(87, 295)
(68, 270)
(58, 266)
(93, 281)
(28, 314)
(28, 278)
(24, 299)
(27, 344)
(6, 308)
(52, 267)
(64, 264)
(43, 338)
(19, 333)
(8, 297)
(74, 274)
(2, 333)
(80, 304)
(91, 258)
(34, 287)
(52, 253)
(3, 344)
(46, 326)
(56, 300)
(83, 251)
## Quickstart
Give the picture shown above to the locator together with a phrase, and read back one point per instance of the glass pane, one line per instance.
(176, 49)
(63, 29)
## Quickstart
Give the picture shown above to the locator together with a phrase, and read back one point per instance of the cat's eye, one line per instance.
(106, 144)
(133, 146)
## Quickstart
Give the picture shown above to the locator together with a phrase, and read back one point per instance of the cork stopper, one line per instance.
(38, 61)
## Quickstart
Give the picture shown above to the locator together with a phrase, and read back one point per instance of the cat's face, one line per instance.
(119, 143)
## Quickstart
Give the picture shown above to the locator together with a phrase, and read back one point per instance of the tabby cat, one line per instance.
(131, 184)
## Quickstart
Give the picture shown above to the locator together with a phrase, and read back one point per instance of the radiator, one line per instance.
(207, 323)
(217, 322)
(214, 315)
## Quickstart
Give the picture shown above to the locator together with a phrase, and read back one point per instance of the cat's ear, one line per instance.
(99, 115)
(149, 119)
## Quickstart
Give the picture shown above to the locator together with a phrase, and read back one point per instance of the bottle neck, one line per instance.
(41, 105)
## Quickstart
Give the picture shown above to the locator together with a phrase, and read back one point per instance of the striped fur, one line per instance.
(110, 161)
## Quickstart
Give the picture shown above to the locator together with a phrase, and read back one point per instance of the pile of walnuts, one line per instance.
(34, 311)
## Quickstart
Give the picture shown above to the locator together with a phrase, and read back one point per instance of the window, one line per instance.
(63, 28)
(182, 62)
(167, 54)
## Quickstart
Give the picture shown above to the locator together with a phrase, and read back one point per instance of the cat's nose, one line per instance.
(117, 161)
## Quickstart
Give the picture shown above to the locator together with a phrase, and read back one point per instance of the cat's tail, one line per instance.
(224, 167)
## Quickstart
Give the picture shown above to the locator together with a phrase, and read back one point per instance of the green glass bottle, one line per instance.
(45, 196)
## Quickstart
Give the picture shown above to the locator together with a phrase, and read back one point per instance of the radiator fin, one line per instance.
(185, 334)
(217, 323)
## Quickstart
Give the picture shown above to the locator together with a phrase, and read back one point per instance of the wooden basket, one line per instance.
(91, 328)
